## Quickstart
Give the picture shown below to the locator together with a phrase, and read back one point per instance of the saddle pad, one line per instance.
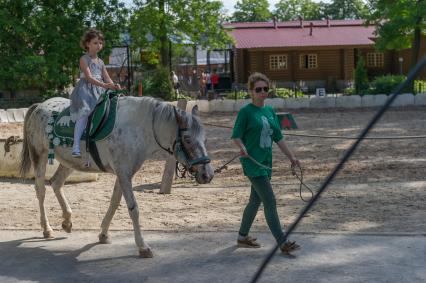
(63, 127)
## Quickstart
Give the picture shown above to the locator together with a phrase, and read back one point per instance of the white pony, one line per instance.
(143, 127)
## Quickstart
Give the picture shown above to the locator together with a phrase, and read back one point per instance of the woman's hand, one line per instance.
(117, 86)
(294, 162)
(243, 152)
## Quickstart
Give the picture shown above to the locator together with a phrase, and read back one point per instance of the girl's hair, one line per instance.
(89, 35)
(256, 77)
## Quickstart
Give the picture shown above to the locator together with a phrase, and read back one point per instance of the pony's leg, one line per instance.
(115, 202)
(132, 206)
(57, 181)
(39, 164)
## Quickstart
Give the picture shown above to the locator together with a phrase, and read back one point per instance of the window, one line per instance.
(308, 61)
(278, 62)
(375, 59)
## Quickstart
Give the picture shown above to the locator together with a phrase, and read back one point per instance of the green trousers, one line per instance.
(261, 192)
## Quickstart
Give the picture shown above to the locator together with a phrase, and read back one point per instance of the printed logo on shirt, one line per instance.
(265, 135)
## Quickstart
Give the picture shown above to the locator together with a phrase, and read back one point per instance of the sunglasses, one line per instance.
(259, 89)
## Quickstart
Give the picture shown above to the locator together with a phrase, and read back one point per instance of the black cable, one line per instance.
(411, 76)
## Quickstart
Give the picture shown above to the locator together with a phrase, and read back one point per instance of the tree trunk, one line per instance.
(415, 48)
(164, 44)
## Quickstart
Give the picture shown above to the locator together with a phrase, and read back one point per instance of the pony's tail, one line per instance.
(25, 165)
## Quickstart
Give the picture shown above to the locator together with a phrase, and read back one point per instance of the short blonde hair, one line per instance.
(256, 77)
(89, 35)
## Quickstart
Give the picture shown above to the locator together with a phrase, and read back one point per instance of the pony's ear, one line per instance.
(180, 119)
(194, 110)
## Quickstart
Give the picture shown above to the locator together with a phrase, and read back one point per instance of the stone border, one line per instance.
(352, 101)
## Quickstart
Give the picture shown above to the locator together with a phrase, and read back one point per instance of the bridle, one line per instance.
(178, 149)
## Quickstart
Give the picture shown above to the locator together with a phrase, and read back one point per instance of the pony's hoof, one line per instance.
(104, 239)
(67, 226)
(146, 253)
(48, 235)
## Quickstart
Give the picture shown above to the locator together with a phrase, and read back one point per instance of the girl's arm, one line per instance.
(88, 76)
(284, 148)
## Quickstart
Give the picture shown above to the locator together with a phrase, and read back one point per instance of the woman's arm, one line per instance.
(239, 143)
(284, 148)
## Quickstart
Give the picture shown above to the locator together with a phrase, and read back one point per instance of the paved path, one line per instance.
(209, 257)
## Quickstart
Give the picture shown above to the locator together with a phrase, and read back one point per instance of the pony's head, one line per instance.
(189, 148)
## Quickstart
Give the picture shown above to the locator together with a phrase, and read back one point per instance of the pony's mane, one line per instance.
(165, 110)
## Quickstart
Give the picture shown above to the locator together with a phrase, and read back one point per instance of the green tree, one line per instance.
(251, 11)
(346, 9)
(39, 40)
(156, 24)
(400, 25)
(290, 9)
(361, 77)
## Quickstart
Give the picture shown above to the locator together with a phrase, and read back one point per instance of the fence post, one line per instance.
(169, 169)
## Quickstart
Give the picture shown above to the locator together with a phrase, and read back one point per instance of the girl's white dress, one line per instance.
(85, 95)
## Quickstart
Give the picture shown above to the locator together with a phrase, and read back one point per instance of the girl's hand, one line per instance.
(110, 86)
(117, 86)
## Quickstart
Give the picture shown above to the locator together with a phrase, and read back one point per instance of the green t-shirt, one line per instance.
(257, 127)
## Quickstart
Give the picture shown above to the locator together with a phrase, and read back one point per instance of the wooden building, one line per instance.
(311, 53)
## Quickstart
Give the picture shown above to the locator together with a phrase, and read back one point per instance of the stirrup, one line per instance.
(76, 154)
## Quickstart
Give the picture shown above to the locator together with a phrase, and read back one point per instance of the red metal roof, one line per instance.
(290, 34)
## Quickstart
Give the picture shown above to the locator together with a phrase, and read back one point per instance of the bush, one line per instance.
(240, 95)
(361, 77)
(158, 84)
(286, 93)
(349, 91)
(386, 84)
(419, 86)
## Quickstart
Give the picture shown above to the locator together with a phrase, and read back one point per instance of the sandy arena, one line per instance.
(381, 189)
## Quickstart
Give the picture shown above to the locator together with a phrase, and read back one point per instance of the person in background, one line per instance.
(256, 127)
(215, 82)
(203, 82)
(176, 84)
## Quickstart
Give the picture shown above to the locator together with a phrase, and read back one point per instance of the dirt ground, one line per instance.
(381, 189)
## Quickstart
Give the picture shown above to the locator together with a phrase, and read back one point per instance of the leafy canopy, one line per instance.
(39, 40)
(396, 21)
(155, 23)
(251, 11)
(287, 10)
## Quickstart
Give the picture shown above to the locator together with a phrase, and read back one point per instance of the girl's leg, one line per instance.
(263, 188)
(80, 125)
(249, 213)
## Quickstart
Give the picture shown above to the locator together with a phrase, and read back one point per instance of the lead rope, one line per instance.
(302, 184)
(293, 172)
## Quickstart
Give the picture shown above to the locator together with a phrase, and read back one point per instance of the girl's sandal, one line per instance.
(248, 242)
(289, 247)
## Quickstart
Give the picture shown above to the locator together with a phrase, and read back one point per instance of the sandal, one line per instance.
(289, 247)
(248, 242)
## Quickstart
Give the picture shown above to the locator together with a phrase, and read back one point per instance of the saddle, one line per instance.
(100, 124)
